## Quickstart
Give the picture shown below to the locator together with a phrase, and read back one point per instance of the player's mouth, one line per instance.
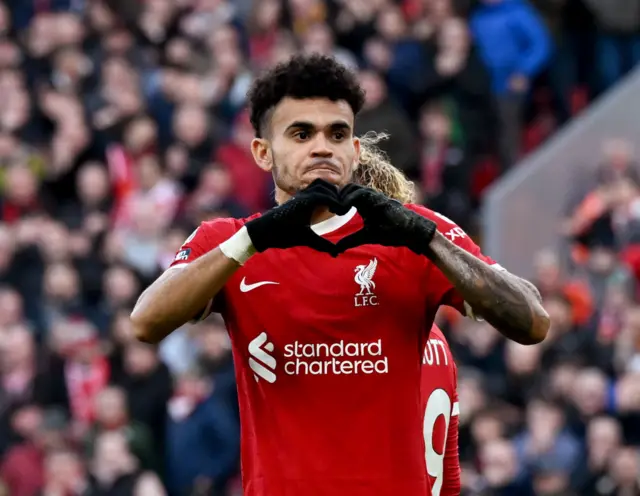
(324, 165)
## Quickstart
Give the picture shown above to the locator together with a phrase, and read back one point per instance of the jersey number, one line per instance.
(438, 404)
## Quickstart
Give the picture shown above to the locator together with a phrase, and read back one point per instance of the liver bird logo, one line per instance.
(364, 277)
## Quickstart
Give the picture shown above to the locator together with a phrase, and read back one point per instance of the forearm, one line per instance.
(509, 303)
(179, 294)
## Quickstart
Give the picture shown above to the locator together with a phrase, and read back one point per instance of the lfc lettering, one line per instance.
(365, 300)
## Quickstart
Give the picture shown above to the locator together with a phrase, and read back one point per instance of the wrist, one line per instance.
(238, 247)
(435, 243)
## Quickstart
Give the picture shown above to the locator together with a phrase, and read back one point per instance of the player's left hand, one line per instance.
(386, 222)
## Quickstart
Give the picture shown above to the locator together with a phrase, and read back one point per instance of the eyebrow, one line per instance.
(334, 126)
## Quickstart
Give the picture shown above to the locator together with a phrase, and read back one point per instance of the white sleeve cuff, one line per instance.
(238, 247)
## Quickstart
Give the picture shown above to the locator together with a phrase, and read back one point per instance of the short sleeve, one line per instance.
(440, 290)
(205, 238)
(201, 241)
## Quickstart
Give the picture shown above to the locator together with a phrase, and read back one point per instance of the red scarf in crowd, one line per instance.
(84, 382)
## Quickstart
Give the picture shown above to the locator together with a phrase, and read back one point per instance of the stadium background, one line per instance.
(122, 127)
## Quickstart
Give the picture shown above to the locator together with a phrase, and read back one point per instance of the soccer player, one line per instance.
(327, 296)
(439, 392)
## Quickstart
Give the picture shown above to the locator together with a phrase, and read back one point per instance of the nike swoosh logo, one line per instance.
(245, 288)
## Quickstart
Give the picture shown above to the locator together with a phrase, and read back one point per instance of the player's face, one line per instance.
(308, 139)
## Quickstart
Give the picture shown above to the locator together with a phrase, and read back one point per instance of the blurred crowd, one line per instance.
(563, 418)
(122, 126)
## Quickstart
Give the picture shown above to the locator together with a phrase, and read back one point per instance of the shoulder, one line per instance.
(445, 224)
(438, 334)
(428, 213)
(208, 235)
(227, 224)
(221, 228)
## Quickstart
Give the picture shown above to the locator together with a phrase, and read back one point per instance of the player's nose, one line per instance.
(321, 146)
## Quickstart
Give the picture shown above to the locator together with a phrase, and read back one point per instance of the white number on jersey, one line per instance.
(438, 404)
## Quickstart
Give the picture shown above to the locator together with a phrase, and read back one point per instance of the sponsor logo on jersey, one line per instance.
(245, 288)
(261, 361)
(456, 232)
(364, 278)
(183, 255)
(339, 358)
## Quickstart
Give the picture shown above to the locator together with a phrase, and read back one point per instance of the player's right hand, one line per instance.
(289, 225)
(386, 222)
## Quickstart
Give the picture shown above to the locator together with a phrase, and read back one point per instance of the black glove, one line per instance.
(386, 222)
(289, 225)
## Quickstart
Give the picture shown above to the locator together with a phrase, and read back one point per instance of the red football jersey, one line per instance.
(328, 354)
(440, 407)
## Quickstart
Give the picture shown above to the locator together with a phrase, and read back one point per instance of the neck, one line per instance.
(321, 214)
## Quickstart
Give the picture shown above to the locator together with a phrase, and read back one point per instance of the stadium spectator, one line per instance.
(147, 384)
(23, 467)
(457, 77)
(624, 470)
(65, 473)
(617, 39)
(545, 445)
(202, 436)
(24, 381)
(381, 113)
(515, 46)
(445, 168)
(604, 436)
(112, 416)
(115, 470)
(501, 472)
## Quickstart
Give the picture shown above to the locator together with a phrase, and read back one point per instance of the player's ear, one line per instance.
(261, 152)
(356, 157)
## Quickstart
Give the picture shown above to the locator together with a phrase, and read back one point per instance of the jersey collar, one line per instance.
(333, 223)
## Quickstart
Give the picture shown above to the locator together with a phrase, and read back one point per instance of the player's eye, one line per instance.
(339, 135)
(302, 135)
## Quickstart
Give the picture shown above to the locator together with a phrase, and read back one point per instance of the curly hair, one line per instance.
(376, 172)
(301, 77)
(319, 76)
